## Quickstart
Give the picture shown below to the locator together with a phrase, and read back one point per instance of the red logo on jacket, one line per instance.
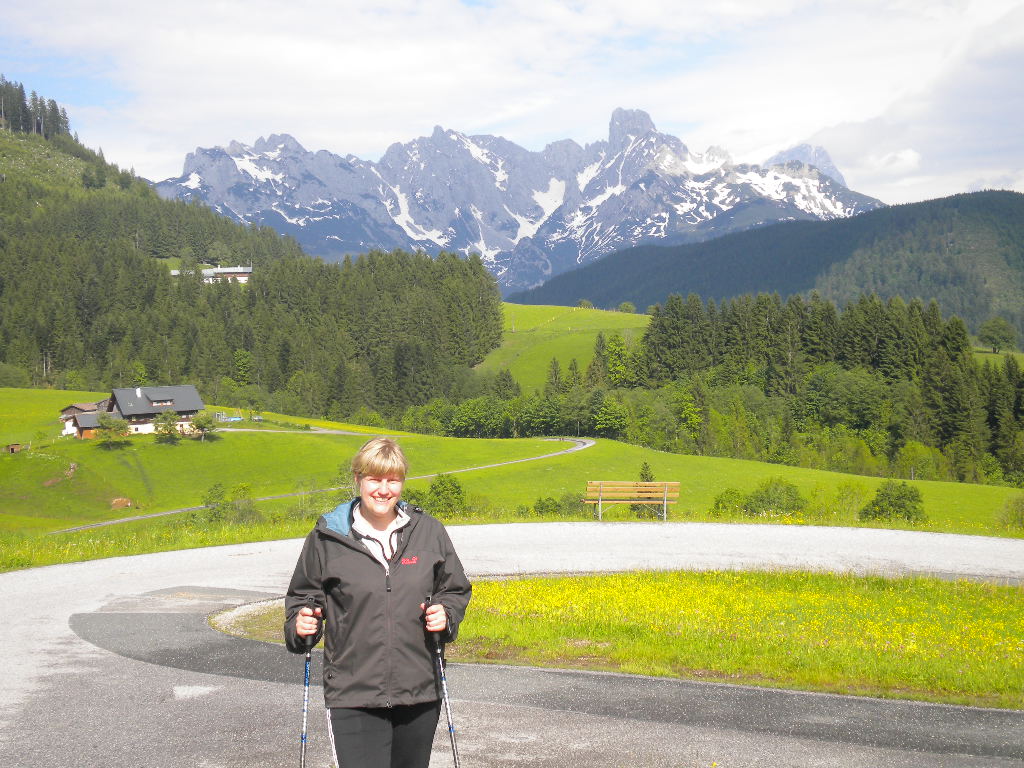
(410, 560)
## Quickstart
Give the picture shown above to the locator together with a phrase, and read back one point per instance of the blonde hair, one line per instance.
(380, 457)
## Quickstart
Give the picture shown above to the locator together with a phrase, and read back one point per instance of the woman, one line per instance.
(377, 577)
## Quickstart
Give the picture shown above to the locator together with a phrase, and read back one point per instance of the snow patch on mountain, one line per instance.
(405, 220)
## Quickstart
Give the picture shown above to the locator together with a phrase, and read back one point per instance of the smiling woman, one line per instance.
(374, 568)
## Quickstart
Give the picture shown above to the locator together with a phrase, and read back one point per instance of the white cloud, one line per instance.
(958, 131)
(898, 163)
(355, 77)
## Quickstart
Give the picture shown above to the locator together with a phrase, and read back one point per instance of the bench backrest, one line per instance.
(625, 490)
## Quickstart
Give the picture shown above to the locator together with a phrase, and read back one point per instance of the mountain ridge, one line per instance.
(530, 215)
(966, 251)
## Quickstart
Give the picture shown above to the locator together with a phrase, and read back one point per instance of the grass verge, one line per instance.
(909, 638)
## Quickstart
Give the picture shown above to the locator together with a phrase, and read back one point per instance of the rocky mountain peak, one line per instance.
(627, 123)
(277, 142)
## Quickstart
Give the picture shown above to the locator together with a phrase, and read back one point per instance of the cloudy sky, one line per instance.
(914, 99)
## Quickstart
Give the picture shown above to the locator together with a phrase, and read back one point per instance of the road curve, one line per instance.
(112, 662)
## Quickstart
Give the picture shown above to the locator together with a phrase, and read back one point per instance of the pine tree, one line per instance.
(554, 385)
(597, 369)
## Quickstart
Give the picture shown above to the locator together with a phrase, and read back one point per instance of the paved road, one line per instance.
(113, 663)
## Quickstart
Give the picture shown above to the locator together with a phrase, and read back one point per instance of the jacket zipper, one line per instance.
(390, 634)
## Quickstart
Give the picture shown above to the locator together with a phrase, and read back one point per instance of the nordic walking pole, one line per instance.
(439, 658)
(305, 695)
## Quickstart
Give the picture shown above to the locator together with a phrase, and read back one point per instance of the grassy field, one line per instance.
(74, 482)
(33, 415)
(951, 507)
(916, 638)
(983, 354)
(535, 334)
(63, 482)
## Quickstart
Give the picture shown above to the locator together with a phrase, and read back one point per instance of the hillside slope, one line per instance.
(533, 335)
(966, 251)
(87, 299)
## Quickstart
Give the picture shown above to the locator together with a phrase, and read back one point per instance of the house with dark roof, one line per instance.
(70, 413)
(83, 425)
(139, 406)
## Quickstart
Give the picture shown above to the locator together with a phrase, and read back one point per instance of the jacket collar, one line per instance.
(339, 520)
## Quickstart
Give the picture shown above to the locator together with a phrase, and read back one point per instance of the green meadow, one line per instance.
(289, 469)
(950, 507)
(535, 334)
(33, 415)
(983, 355)
(64, 482)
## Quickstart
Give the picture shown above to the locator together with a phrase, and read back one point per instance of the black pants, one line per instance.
(397, 737)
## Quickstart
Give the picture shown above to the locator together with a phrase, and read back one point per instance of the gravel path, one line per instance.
(111, 662)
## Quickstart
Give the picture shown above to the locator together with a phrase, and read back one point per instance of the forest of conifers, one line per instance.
(87, 301)
(880, 388)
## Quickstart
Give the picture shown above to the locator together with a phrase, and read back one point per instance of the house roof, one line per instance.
(68, 411)
(87, 420)
(138, 401)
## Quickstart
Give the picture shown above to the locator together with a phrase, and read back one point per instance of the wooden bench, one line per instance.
(605, 492)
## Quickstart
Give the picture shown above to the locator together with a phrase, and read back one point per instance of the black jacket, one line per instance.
(377, 651)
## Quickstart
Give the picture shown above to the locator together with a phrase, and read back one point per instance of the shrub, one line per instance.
(774, 497)
(166, 427)
(729, 503)
(571, 505)
(850, 497)
(547, 507)
(416, 497)
(216, 507)
(1012, 514)
(446, 496)
(366, 417)
(241, 510)
(895, 500)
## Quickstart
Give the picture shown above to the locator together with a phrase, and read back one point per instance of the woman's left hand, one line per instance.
(435, 618)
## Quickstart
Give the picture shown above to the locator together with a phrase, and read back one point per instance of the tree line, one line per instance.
(32, 113)
(377, 333)
(877, 388)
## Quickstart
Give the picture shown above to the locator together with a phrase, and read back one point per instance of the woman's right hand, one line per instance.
(307, 621)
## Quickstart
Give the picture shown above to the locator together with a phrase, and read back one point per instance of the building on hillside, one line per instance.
(69, 413)
(83, 425)
(139, 406)
(219, 274)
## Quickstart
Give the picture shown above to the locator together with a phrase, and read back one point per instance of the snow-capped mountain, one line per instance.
(530, 215)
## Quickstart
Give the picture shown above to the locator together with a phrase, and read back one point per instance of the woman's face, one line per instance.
(378, 496)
